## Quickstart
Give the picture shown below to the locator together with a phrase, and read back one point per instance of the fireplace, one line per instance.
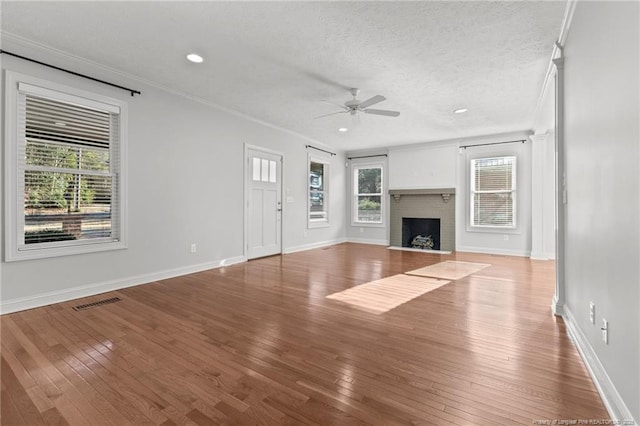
(425, 213)
(421, 233)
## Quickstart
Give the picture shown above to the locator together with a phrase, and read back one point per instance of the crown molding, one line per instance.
(19, 41)
(555, 54)
(456, 142)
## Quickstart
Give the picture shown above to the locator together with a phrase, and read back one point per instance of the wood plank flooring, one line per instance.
(259, 343)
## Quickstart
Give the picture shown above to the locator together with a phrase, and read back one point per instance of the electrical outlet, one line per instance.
(506, 237)
(361, 230)
(592, 312)
(194, 248)
(605, 330)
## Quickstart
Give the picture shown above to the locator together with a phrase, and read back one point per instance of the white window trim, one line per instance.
(511, 229)
(324, 222)
(14, 211)
(354, 196)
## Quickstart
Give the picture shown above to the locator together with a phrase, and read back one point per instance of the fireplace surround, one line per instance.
(431, 203)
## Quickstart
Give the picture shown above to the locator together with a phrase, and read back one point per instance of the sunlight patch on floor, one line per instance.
(449, 270)
(382, 295)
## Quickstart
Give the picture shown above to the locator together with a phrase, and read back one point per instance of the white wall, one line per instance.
(422, 166)
(543, 179)
(549, 198)
(185, 186)
(603, 179)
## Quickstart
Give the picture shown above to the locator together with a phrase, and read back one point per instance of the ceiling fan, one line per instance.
(354, 106)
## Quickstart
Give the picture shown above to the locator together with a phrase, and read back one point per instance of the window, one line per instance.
(318, 193)
(64, 169)
(493, 192)
(367, 194)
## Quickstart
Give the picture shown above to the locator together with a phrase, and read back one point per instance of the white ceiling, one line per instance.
(278, 61)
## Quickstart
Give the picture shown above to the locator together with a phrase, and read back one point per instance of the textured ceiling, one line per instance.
(278, 61)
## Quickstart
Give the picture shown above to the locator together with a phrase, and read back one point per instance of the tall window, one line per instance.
(66, 150)
(367, 194)
(493, 192)
(318, 193)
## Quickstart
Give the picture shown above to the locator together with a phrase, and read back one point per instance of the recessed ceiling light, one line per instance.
(460, 110)
(342, 129)
(194, 57)
(60, 123)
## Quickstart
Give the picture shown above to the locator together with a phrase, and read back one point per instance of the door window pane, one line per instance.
(265, 170)
(256, 169)
(272, 171)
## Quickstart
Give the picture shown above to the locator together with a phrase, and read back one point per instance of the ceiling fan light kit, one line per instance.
(354, 106)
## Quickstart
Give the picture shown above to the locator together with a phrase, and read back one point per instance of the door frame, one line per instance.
(245, 198)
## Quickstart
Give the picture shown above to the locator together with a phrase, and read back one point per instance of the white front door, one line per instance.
(264, 204)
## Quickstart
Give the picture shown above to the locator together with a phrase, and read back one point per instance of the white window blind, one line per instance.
(493, 192)
(68, 164)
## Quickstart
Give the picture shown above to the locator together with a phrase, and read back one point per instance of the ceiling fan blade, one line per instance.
(334, 104)
(371, 101)
(382, 112)
(333, 113)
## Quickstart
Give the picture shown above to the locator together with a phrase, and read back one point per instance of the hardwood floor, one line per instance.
(259, 343)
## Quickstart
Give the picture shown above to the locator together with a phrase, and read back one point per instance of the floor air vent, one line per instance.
(96, 304)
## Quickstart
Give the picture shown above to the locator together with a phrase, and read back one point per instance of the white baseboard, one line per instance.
(556, 307)
(368, 241)
(491, 250)
(539, 255)
(613, 402)
(23, 303)
(311, 246)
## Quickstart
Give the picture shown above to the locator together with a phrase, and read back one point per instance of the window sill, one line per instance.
(44, 253)
(493, 230)
(318, 224)
(368, 225)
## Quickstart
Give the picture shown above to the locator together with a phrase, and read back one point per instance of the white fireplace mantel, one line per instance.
(444, 192)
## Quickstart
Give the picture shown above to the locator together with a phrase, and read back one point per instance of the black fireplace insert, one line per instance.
(421, 233)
